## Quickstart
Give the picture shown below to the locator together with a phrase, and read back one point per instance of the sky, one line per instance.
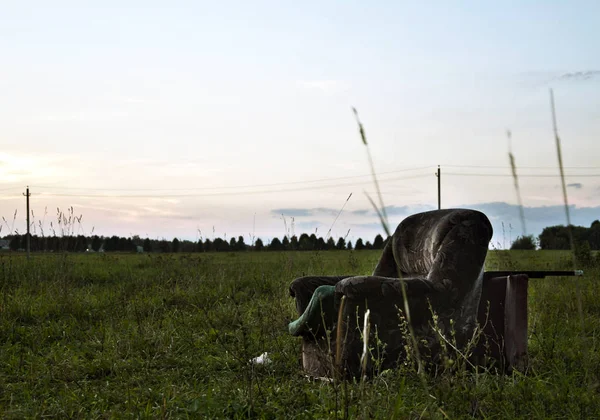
(205, 119)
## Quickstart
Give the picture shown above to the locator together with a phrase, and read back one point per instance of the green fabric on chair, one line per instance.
(311, 321)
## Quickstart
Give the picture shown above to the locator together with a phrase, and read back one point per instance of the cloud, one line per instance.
(576, 185)
(536, 218)
(371, 226)
(317, 211)
(293, 212)
(325, 210)
(538, 197)
(407, 210)
(396, 210)
(547, 78)
(310, 226)
(297, 212)
(580, 75)
(363, 212)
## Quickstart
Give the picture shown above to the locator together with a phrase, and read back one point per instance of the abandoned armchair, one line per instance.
(437, 257)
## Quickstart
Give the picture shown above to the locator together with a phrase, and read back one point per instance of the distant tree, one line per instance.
(341, 244)
(240, 246)
(111, 244)
(294, 243)
(147, 245)
(123, 245)
(15, 243)
(594, 236)
(359, 244)
(208, 245)
(523, 242)
(368, 245)
(285, 243)
(330, 244)
(96, 243)
(313, 241)
(187, 246)
(35, 243)
(164, 246)
(304, 243)
(175, 245)
(232, 244)
(199, 246)
(221, 245)
(258, 244)
(378, 242)
(276, 245)
(136, 241)
(320, 245)
(349, 245)
(555, 237)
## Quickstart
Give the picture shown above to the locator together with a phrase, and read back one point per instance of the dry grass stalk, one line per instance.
(380, 212)
(336, 217)
(339, 336)
(566, 202)
(384, 223)
(513, 168)
(365, 354)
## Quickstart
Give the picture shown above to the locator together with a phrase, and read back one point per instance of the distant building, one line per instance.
(140, 249)
(4, 244)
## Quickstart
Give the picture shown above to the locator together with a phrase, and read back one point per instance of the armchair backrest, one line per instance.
(447, 247)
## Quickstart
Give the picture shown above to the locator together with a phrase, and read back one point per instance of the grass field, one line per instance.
(170, 336)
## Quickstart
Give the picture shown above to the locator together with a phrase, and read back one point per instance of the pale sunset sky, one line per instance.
(227, 118)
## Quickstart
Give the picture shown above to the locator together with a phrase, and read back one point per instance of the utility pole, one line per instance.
(28, 235)
(439, 177)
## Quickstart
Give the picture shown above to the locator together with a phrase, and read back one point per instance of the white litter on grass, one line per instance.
(263, 359)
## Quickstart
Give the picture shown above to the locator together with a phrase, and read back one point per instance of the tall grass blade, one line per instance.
(365, 354)
(562, 175)
(364, 140)
(566, 201)
(513, 168)
(384, 223)
(339, 337)
(336, 217)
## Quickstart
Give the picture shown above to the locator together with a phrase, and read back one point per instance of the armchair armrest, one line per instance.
(377, 288)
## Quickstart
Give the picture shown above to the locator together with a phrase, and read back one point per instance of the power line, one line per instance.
(351, 184)
(520, 167)
(234, 186)
(54, 187)
(524, 175)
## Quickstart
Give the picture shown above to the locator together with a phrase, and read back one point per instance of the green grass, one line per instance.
(170, 336)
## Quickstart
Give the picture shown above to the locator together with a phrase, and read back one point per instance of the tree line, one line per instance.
(557, 237)
(95, 243)
(552, 237)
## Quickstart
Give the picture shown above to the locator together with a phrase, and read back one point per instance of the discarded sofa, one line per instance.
(438, 257)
